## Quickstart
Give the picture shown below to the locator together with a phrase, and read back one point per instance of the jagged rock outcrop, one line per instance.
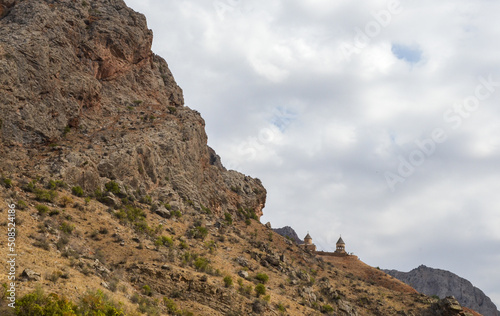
(289, 232)
(84, 99)
(443, 283)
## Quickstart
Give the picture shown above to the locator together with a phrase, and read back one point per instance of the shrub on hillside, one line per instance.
(78, 191)
(113, 187)
(228, 281)
(260, 289)
(262, 278)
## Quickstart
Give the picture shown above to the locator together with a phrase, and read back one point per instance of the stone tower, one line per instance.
(308, 244)
(308, 240)
(340, 246)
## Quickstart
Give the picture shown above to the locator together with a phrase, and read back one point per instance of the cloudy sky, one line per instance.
(377, 120)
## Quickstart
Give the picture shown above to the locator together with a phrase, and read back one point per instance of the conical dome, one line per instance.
(340, 241)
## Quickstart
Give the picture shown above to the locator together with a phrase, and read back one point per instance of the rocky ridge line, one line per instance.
(443, 283)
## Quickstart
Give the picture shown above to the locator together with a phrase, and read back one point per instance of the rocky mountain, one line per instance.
(444, 283)
(115, 202)
(83, 99)
(288, 232)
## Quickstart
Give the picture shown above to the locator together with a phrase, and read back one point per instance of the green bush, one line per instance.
(228, 281)
(146, 289)
(131, 214)
(183, 245)
(248, 214)
(137, 218)
(113, 187)
(199, 232)
(31, 186)
(67, 228)
(147, 200)
(164, 241)
(42, 209)
(54, 184)
(262, 278)
(228, 218)
(6, 182)
(78, 191)
(235, 189)
(97, 303)
(325, 309)
(37, 303)
(260, 289)
(98, 194)
(65, 201)
(45, 196)
(206, 210)
(201, 264)
(281, 308)
(22, 205)
(177, 213)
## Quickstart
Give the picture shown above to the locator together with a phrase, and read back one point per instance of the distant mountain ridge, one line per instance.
(443, 283)
(289, 232)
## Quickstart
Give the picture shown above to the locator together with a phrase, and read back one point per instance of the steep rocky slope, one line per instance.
(116, 197)
(444, 283)
(83, 99)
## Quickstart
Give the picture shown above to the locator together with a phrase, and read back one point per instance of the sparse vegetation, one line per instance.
(262, 278)
(92, 303)
(22, 205)
(6, 182)
(228, 218)
(173, 309)
(235, 189)
(147, 200)
(42, 209)
(77, 190)
(228, 281)
(164, 241)
(146, 290)
(199, 232)
(260, 289)
(206, 210)
(30, 186)
(65, 201)
(67, 228)
(113, 187)
(45, 195)
(56, 184)
(327, 309)
(201, 264)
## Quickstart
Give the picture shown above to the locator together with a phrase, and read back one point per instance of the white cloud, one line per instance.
(282, 103)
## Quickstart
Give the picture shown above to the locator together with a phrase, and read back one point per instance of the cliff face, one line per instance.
(84, 99)
(443, 283)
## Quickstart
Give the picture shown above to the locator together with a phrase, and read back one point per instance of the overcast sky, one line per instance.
(377, 120)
